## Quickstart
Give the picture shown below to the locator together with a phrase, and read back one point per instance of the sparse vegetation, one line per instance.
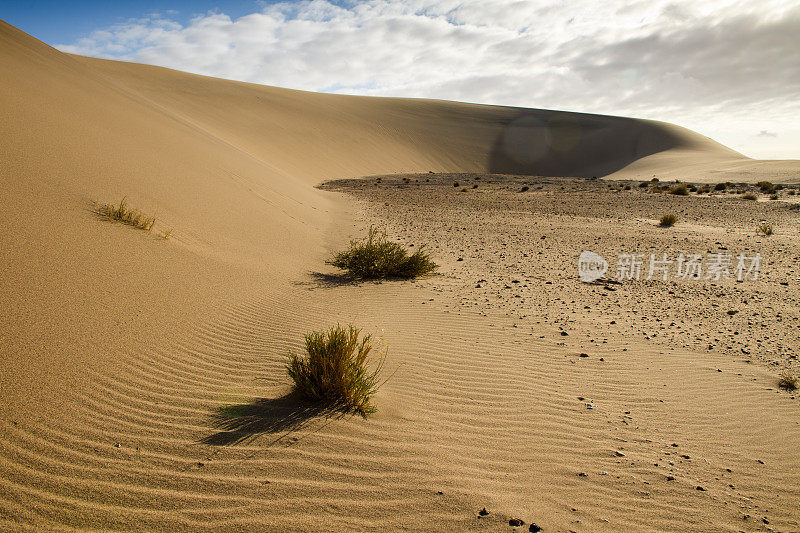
(376, 257)
(455, 184)
(774, 196)
(679, 190)
(788, 381)
(766, 186)
(334, 370)
(524, 189)
(749, 196)
(667, 221)
(122, 213)
(765, 229)
(720, 186)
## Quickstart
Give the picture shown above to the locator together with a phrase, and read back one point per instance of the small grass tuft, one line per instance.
(334, 370)
(765, 229)
(667, 221)
(679, 190)
(749, 196)
(376, 257)
(788, 381)
(122, 213)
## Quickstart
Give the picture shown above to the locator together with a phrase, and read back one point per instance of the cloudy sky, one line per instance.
(729, 69)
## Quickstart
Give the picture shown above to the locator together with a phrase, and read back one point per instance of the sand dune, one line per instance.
(117, 346)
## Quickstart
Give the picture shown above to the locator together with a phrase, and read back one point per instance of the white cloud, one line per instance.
(725, 68)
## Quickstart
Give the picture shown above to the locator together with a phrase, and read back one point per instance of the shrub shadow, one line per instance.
(322, 280)
(284, 415)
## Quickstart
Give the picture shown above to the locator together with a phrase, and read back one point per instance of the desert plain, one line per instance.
(142, 373)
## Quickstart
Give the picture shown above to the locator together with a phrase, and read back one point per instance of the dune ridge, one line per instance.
(117, 346)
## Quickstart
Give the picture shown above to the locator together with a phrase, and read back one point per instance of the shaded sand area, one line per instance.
(119, 347)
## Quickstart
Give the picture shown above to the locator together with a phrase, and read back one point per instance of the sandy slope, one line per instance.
(116, 345)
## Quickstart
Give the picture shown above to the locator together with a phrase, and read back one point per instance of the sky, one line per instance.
(729, 69)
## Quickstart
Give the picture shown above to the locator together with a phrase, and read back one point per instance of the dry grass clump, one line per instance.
(334, 370)
(667, 221)
(679, 190)
(122, 213)
(376, 257)
(765, 228)
(788, 381)
(749, 196)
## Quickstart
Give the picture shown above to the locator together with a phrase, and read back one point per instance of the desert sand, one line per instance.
(119, 346)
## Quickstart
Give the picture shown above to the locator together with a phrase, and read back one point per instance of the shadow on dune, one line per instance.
(320, 280)
(284, 415)
(555, 143)
(328, 281)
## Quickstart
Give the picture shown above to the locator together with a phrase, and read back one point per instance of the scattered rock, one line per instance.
(534, 528)
(483, 512)
(700, 488)
(515, 522)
